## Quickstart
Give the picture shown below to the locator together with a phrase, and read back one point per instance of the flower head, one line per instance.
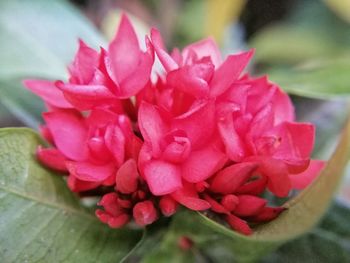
(203, 134)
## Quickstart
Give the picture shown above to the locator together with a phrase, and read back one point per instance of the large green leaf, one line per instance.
(218, 243)
(41, 220)
(38, 39)
(329, 242)
(308, 53)
(317, 79)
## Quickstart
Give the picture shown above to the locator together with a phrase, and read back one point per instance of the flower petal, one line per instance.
(152, 126)
(84, 65)
(229, 179)
(162, 177)
(194, 121)
(234, 145)
(76, 185)
(89, 172)
(87, 97)
(204, 48)
(48, 91)
(228, 72)
(202, 164)
(188, 197)
(69, 133)
(52, 158)
(302, 180)
(123, 51)
(192, 79)
(167, 61)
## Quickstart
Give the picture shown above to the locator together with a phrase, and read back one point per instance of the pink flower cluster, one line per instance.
(200, 133)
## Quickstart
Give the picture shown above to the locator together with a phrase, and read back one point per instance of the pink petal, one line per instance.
(302, 180)
(229, 179)
(98, 149)
(297, 140)
(86, 97)
(198, 123)
(52, 158)
(77, 185)
(188, 197)
(192, 79)
(234, 145)
(152, 126)
(167, 61)
(162, 177)
(254, 187)
(127, 177)
(205, 48)
(115, 142)
(138, 78)
(283, 107)
(228, 72)
(69, 133)
(89, 172)
(101, 117)
(48, 92)
(84, 65)
(215, 206)
(123, 51)
(202, 164)
(276, 172)
(177, 150)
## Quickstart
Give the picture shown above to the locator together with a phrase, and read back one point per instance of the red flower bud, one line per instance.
(167, 205)
(127, 176)
(145, 213)
(229, 179)
(230, 202)
(268, 214)
(238, 224)
(249, 205)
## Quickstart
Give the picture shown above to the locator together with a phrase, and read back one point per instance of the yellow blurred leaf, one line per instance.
(340, 7)
(219, 14)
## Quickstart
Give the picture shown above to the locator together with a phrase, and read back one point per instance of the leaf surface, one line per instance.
(41, 220)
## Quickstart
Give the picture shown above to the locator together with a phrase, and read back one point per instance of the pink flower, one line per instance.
(201, 134)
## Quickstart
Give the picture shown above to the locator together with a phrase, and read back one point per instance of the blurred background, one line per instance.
(303, 45)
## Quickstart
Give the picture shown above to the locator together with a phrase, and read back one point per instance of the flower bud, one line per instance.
(230, 202)
(167, 205)
(145, 213)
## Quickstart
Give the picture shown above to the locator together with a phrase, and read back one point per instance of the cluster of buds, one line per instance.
(199, 133)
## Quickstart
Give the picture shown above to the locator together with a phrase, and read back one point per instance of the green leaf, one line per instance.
(329, 242)
(318, 79)
(41, 220)
(38, 39)
(218, 243)
(308, 53)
